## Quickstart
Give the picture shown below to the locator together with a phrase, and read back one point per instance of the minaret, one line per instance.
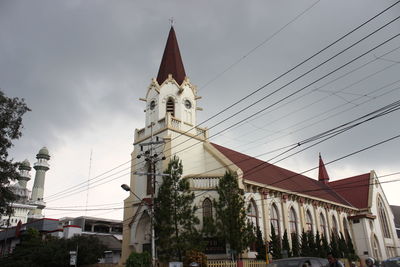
(24, 175)
(41, 166)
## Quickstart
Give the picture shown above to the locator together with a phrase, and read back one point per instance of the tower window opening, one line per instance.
(171, 106)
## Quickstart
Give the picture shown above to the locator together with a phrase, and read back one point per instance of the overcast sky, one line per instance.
(82, 65)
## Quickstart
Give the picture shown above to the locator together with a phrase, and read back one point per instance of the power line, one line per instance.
(269, 38)
(272, 80)
(327, 134)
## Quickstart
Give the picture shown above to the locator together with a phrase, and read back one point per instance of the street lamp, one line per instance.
(126, 187)
(153, 244)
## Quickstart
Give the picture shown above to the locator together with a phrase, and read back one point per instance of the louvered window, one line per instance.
(171, 106)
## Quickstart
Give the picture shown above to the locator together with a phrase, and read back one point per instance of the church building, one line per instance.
(275, 197)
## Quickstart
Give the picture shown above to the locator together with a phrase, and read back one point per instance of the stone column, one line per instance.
(285, 215)
(302, 214)
(265, 211)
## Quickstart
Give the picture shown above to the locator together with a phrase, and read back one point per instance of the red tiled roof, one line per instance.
(322, 173)
(265, 173)
(354, 189)
(171, 62)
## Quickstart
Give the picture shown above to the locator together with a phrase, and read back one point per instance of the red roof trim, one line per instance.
(73, 226)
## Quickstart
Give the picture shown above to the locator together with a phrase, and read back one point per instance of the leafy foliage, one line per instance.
(285, 244)
(139, 260)
(260, 245)
(231, 222)
(175, 220)
(351, 253)
(11, 112)
(276, 244)
(304, 246)
(334, 245)
(311, 243)
(295, 245)
(325, 247)
(34, 251)
(195, 256)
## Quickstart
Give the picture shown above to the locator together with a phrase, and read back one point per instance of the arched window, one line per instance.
(207, 208)
(383, 219)
(171, 106)
(346, 229)
(252, 212)
(322, 225)
(375, 248)
(293, 221)
(309, 224)
(149, 186)
(275, 219)
(334, 226)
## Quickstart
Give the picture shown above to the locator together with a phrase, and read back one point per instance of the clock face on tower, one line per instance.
(188, 104)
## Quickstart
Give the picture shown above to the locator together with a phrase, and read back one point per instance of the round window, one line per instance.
(188, 104)
(152, 105)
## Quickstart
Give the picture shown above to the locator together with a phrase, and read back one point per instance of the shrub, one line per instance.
(139, 260)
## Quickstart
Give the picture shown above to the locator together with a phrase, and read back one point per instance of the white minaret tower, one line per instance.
(41, 167)
(24, 175)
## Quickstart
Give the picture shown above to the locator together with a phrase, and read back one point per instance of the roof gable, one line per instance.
(354, 189)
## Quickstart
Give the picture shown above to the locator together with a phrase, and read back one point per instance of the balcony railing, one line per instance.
(172, 123)
(203, 183)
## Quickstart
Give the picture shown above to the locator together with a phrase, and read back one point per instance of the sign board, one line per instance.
(176, 264)
(72, 258)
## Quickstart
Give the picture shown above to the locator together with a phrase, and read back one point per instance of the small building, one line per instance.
(109, 233)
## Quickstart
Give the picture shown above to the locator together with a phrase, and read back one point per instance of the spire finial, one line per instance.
(171, 20)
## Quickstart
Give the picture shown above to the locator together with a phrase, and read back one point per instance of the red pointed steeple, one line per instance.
(322, 173)
(171, 62)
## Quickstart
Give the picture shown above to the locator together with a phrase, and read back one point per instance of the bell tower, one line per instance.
(171, 93)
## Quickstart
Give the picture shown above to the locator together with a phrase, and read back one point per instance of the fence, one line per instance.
(228, 263)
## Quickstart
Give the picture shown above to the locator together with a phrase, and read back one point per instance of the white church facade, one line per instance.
(275, 196)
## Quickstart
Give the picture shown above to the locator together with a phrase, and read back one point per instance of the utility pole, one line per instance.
(152, 158)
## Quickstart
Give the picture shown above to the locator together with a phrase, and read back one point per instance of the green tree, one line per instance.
(311, 243)
(351, 253)
(344, 251)
(175, 220)
(90, 249)
(295, 245)
(318, 245)
(260, 245)
(334, 245)
(11, 112)
(304, 246)
(34, 251)
(231, 220)
(285, 244)
(138, 260)
(275, 244)
(324, 247)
